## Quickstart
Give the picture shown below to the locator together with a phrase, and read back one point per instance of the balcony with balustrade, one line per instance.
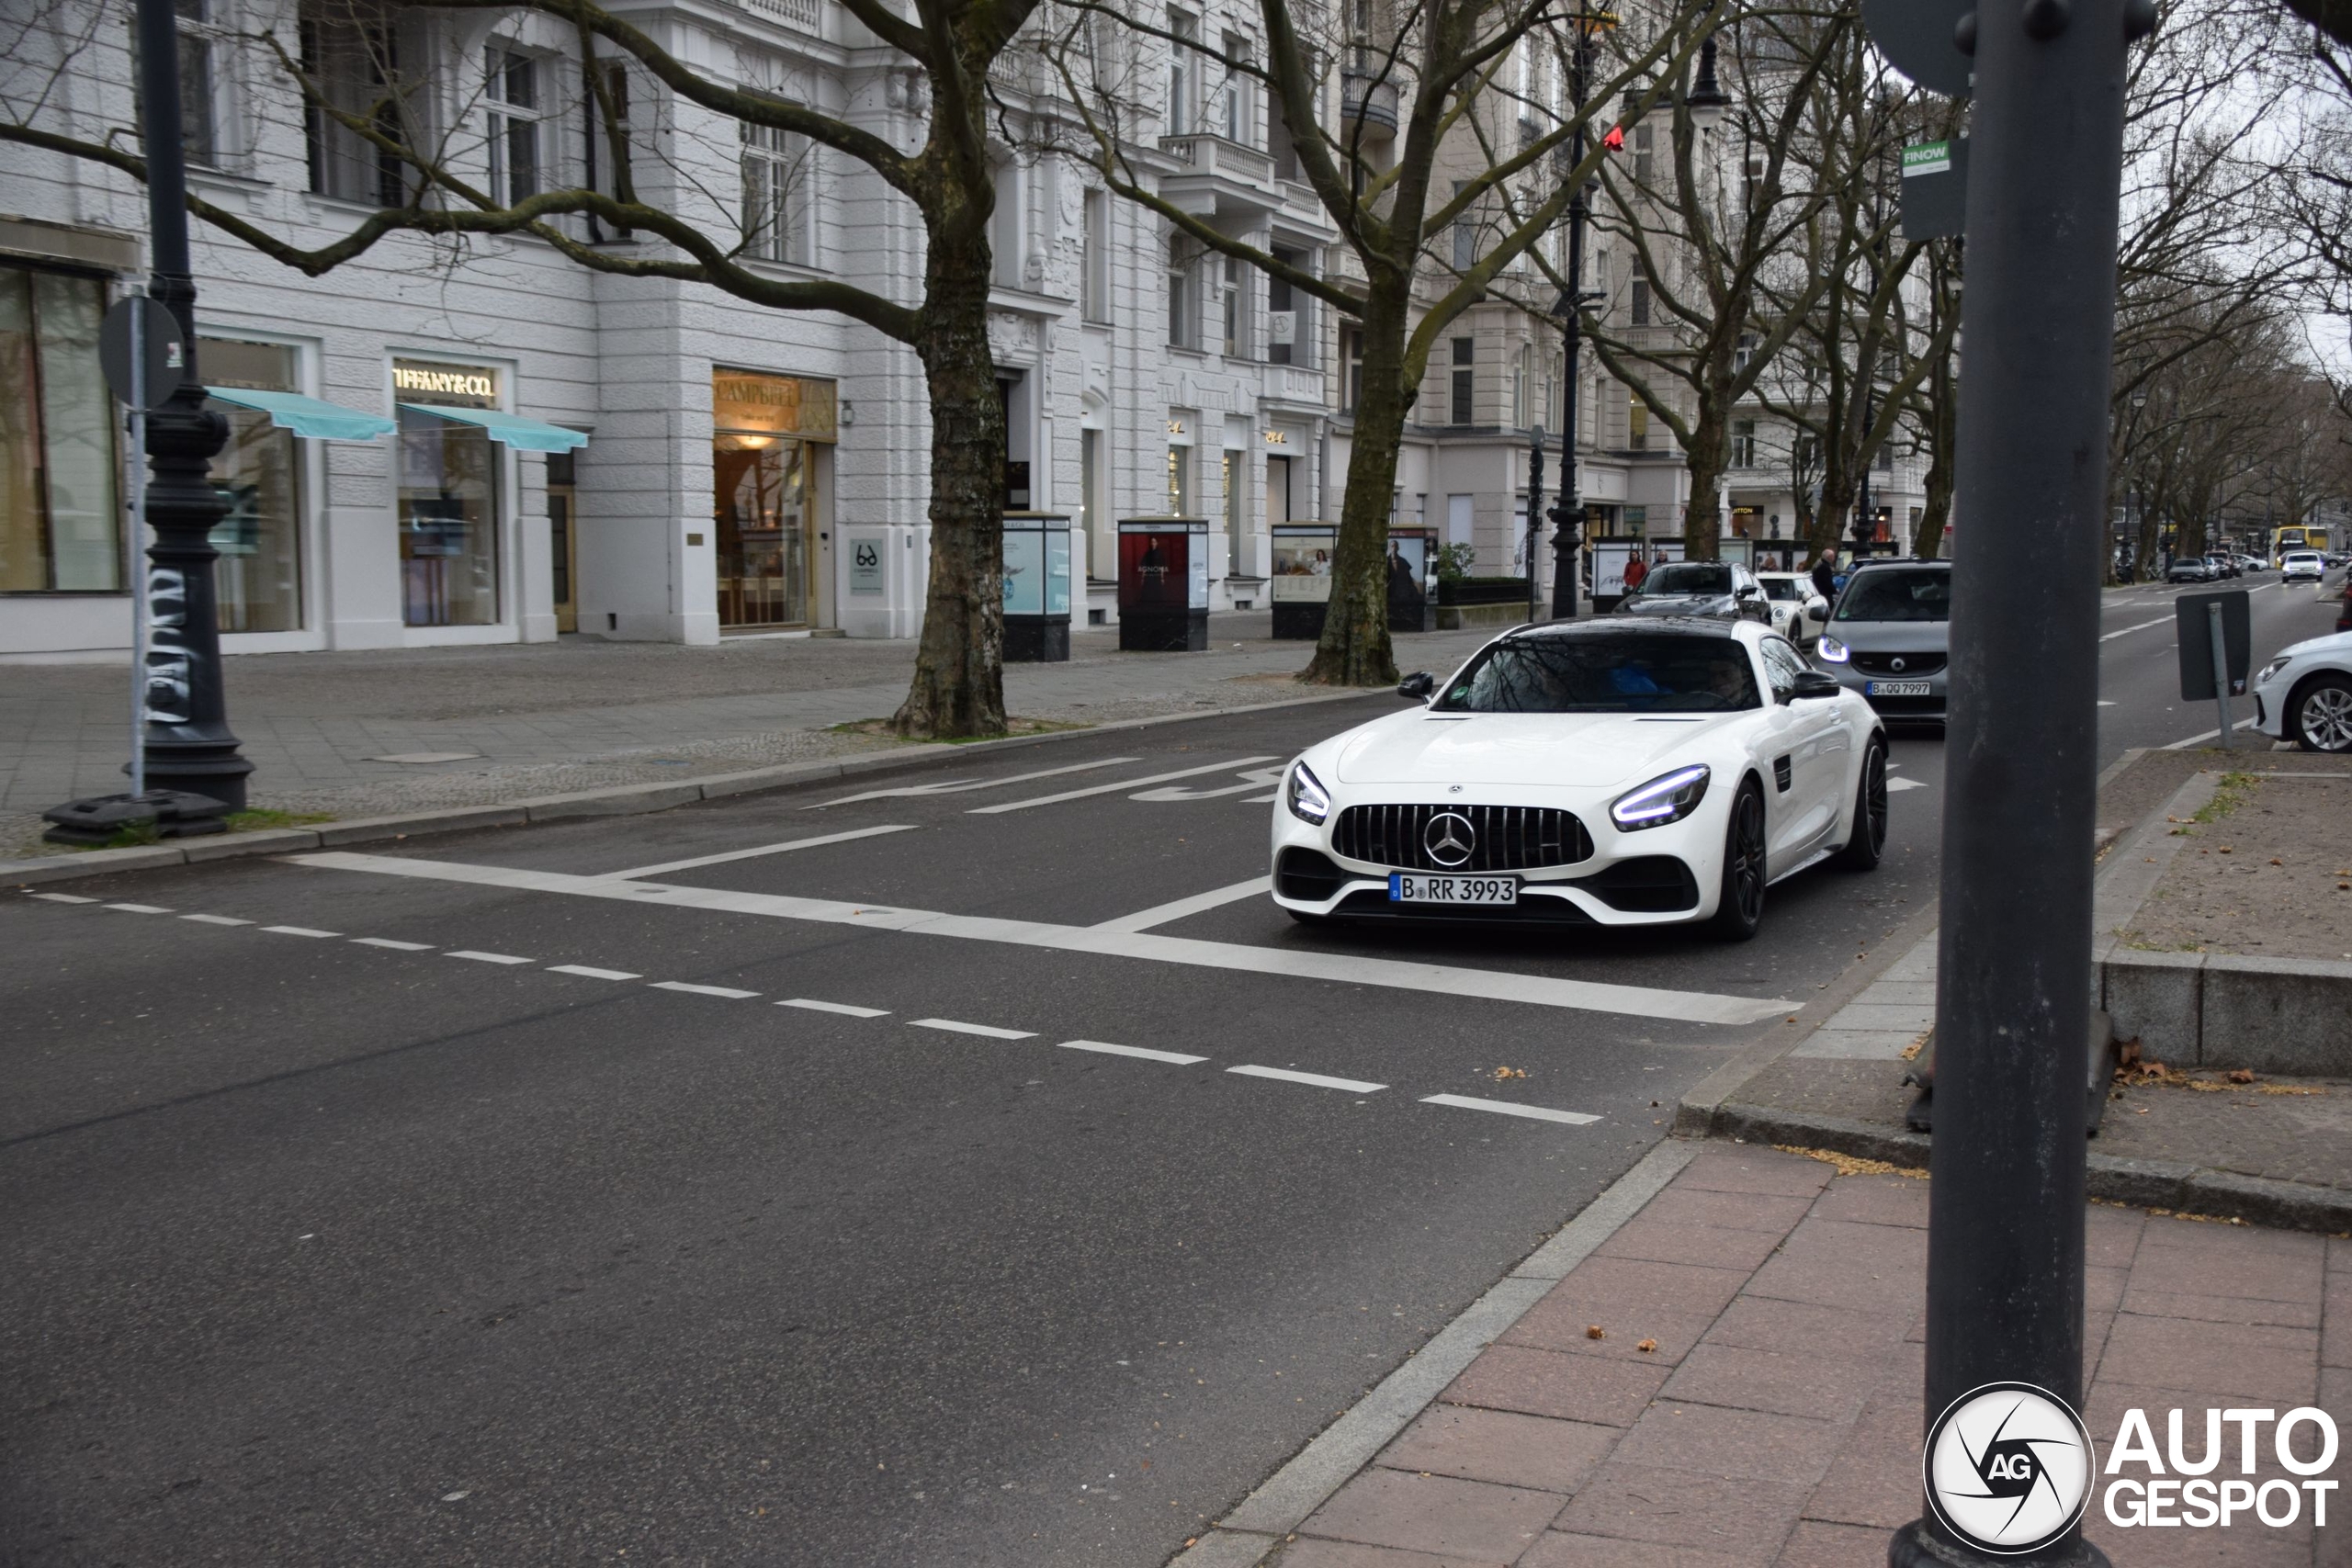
(1220, 179)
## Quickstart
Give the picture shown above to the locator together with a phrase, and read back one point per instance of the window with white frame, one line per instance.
(1520, 372)
(512, 100)
(198, 106)
(1180, 294)
(1641, 302)
(1236, 309)
(1350, 369)
(1465, 383)
(1183, 64)
(1094, 277)
(1743, 444)
(778, 177)
(349, 54)
(1237, 105)
(1008, 229)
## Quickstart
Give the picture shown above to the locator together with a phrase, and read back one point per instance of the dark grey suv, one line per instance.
(1889, 637)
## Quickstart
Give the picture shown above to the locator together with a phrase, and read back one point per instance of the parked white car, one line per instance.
(1608, 771)
(2305, 695)
(1797, 611)
(2301, 566)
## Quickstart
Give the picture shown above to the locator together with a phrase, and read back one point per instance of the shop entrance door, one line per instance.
(563, 541)
(765, 504)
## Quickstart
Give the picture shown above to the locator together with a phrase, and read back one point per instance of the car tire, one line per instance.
(2319, 714)
(1869, 840)
(1739, 904)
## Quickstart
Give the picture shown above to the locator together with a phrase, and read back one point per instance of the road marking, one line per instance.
(1354, 1085)
(2174, 746)
(216, 919)
(1123, 785)
(959, 786)
(1893, 784)
(395, 946)
(590, 971)
(1177, 1058)
(1505, 1107)
(299, 931)
(140, 908)
(813, 1004)
(66, 898)
(2106, 704)
(1451, 982)
(761, 850)
(484, 957)
(727, 992)
(990, 1031)
(1255, 778)
(1163, 914)
(2143, 626)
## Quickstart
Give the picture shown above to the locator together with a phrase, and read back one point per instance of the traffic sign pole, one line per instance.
(138, 550)
(2221, 669)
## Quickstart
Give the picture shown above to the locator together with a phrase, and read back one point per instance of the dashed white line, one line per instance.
(813, 1004)
(1354, 1085)
(484, 957)
(1177, 1058)
(1238, 764)
(593, 973)
(694, 990)
(140, 908)
(2143, 626)
(987, 1031)
(216, 919)
(395, 945)
(1505, 1107)
(66, 898)
(299, 931)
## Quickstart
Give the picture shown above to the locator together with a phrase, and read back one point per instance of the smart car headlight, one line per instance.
(1834, 652)
(1660, 801)
(1309, 801)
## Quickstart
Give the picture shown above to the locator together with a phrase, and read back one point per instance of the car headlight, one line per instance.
(1660, 801)
(2272, 668)
(1830, 649)
(1309, 801)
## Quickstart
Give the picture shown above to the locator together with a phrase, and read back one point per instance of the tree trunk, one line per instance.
(1355, 649)
(958, 688)
(1702, 525)
(1929, 542)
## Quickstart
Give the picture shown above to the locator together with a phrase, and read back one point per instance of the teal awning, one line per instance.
(523, 434)
(308, 416)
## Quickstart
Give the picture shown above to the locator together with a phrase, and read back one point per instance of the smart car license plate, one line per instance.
(1898, 689)
(1410, 887)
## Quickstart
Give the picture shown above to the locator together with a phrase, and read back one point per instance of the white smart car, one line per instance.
(1603, 772)
(2305, 695)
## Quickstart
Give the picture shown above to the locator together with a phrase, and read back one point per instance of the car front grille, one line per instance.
(1505, 838)
(1913, 664)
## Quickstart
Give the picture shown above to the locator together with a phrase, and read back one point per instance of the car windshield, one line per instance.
(1897, 595)
(1689, 577)
(1781, 588)
(1605, 674)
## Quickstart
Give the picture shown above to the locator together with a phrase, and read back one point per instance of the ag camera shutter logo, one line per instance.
(2008, 1468)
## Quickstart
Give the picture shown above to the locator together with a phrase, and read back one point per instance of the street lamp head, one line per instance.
(1564, 306)
(2138, 397)
(1535, 437)
(1707, 94)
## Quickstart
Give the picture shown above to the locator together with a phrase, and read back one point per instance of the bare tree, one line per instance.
(419, 185)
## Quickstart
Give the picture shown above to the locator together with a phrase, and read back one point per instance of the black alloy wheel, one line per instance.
(1868, 840)
(1739, 910)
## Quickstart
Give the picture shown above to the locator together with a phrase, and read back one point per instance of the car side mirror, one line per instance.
(1817, 614)
(1418, 686)
(1813, 683)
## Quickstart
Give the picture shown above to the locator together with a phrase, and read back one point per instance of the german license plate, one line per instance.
(1412, 888)
(1898, 689)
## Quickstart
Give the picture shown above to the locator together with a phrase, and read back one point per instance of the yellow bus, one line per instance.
(2303, 537)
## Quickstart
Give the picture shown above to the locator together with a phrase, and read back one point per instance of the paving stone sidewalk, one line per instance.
(1756, 1397)
(583, 713)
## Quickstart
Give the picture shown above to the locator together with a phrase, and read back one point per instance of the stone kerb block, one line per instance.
(2276, 1015)
(2157, 999)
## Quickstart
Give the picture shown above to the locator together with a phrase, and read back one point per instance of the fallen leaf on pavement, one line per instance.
(1647, 1345)
(1502, 1073)
(1596, 1332)
(2276, 860)
(2241, 1075)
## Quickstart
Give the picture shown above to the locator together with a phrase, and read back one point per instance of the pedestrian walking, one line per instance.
(1824, 573)
(1636, 573)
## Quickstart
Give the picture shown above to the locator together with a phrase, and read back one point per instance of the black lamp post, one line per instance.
(1535, 516)
(1567, 516)
(188, 743)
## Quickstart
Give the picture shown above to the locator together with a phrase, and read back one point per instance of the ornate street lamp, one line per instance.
(1567, 517)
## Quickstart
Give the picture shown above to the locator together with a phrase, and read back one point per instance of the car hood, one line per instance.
(1893, 637)
(1571, 750)
(1676, 605)
(2336, 643)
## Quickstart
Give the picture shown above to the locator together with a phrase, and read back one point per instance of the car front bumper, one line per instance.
(1657, 876)
(1895, 710)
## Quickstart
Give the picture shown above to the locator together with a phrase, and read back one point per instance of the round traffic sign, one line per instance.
(1917, 37)
(164, 351)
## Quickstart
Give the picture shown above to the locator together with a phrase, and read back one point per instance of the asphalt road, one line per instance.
(454, 1203)
(2139, 664)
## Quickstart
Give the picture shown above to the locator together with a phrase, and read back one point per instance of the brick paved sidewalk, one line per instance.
(1777, 1419)
(583, 713)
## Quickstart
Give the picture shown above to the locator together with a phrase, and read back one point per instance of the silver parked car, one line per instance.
(1890, 635)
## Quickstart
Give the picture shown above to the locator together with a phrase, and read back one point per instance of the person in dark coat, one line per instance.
(1824, 573)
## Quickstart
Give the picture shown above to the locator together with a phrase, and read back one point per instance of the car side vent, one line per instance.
(1781, 775)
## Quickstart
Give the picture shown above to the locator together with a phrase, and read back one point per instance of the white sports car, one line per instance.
(1602, 772)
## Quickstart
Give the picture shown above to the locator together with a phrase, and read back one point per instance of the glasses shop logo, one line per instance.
(2172, 1488)
(2008, 1468)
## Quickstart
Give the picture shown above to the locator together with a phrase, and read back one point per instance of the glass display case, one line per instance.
(1037, 586)
(1163, 584)
(1412, 579)
(1300, 587)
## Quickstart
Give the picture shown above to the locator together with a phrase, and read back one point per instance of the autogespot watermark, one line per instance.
(2172, 1490)
(2009, 1468)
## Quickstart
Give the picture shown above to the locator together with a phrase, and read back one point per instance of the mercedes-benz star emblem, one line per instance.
(1449, 838)
(1898, 666)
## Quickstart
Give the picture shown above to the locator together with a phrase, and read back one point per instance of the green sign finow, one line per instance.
(1927, 158)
